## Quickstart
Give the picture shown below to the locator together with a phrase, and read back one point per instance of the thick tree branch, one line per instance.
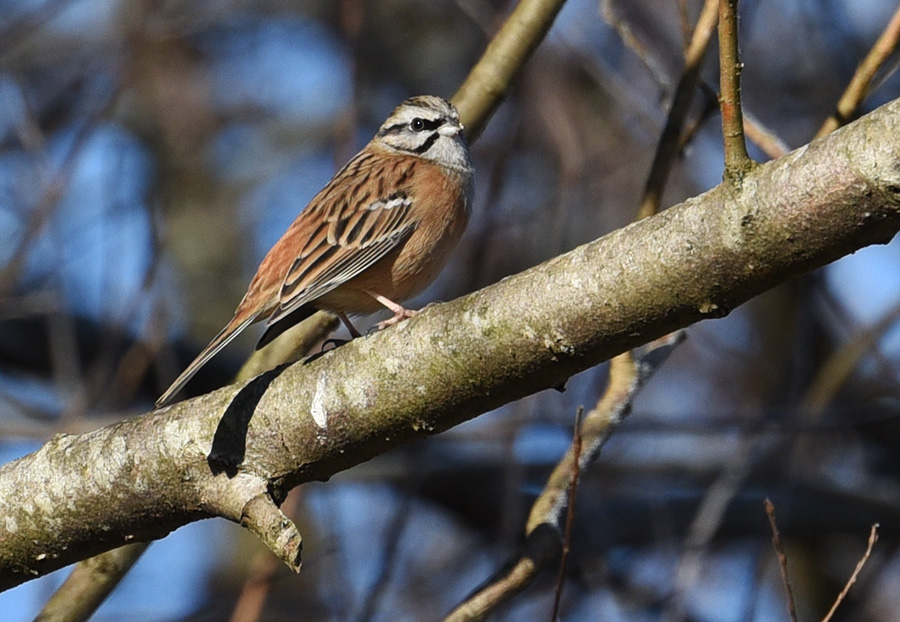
(217, 455)
(476, 100)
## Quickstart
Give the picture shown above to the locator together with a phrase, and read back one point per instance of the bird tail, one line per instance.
(231, 330)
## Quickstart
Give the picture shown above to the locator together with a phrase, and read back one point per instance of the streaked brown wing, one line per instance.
(345, 244)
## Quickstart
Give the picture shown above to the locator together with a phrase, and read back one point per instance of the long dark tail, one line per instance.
(232, 330)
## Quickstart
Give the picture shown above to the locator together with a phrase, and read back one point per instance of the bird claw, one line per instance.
(399, 316)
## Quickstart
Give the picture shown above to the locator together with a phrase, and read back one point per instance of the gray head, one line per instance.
(429, 127)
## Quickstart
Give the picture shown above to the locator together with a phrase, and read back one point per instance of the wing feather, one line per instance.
(346, 242)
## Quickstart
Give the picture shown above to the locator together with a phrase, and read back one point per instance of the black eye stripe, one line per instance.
(430, 125)
(427, 125)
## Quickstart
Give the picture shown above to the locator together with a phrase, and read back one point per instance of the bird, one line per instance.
(377, 234)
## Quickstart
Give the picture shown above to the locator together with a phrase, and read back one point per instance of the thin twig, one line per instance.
(570, 513)
(544, 533)
(507, 52)
(709, 107)
(782, 561)
(707, 520)
(737, 160)
(837, 311)
(757, 133)
(622, 24)
(873, 538)
(89, 584)
(669, 142)
(392, 538)
(838, 367)
(685, 21)
(763, 137)
(861, 83)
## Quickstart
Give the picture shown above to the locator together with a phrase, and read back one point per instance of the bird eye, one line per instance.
(417, 125)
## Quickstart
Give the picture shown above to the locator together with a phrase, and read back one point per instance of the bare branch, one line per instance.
(90, 583)
(763, 137)
(670, 140)
(299, 339)
(291, 346)
(873, 538)
(490, 78)
(860, 84)
(258, 583)
(544, 530)
(477, 98)
(782, 561)
(240, 449)
(570, 513)
(838, 367)
(737, 161)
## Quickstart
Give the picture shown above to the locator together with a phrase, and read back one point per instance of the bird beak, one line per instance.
(450, 130)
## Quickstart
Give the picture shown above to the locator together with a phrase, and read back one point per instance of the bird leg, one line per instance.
(400, 313)
(350, 327)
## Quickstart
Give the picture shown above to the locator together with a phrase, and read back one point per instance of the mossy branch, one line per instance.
(219, 454)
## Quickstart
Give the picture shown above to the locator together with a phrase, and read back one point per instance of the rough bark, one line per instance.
(235, 452)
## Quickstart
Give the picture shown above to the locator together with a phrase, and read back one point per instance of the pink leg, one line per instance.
(400, 313)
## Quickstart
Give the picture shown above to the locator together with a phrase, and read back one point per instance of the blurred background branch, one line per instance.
(545, 526)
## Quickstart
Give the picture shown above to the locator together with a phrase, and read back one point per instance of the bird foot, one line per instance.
(400, 314)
